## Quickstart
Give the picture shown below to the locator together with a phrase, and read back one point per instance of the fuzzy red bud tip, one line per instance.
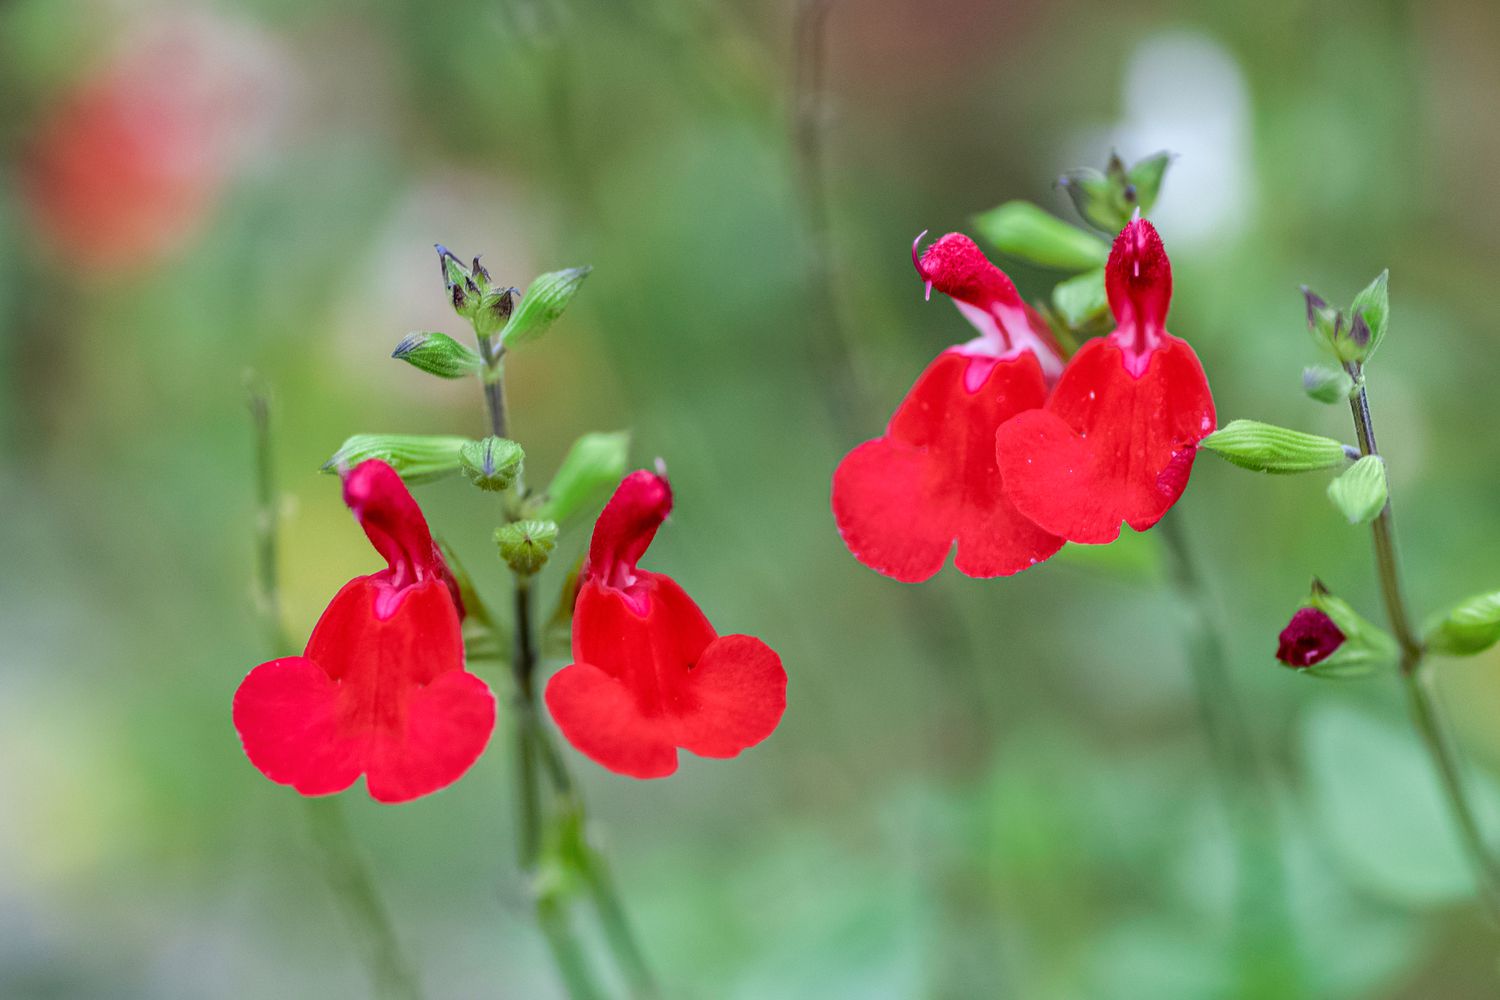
(1309, 638)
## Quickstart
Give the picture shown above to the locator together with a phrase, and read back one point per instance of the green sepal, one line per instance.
(526, 545)
(437, 354)
(594, 465)
(1367, 647)
(1080, 300)
(1327, 384)
(1469, 627)
(492, 464)
(417, 458)
(544, 301)
(495, 310)
(1262, 447)
(1145, 177)
(1370, 314)
(1023, 230)
(1360, 492)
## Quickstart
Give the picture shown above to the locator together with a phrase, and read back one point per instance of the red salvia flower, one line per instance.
(381, 688)
(903, 500)
(650, 675)
(1121, 429)
(1309, 638)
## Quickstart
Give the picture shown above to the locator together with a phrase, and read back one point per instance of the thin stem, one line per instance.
(492, 374)
(349, 876)
(347, 873)
(522, 664)
(567, 954)
(617, 930)
(1425, 710)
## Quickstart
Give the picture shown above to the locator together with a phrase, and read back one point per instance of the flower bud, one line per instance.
(1468, 628)
(544, 301)
(463, 291)
(1371, 312)
(1260, 447)
(592, 467)
(1360, 493)
(1327, 384)
(525, 545)
(492, 464)
(437, 354)
(1023, 230)
(494, 311)
(417, 458)
(1107, 200)
(1328, 638)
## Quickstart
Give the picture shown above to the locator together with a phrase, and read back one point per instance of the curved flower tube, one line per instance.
(650, 675)
(381, 688)
(1119, 433)
(904, 500)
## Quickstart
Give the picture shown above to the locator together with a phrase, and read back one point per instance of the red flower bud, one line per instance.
(1309, 638)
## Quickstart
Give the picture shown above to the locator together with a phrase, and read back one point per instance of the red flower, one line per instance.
(1309, 638)
(902, 501)
(650, 675)
(381, 688)
(1121, 429)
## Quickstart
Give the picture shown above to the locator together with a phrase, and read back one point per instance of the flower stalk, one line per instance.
(348, 875)
(1425, 710)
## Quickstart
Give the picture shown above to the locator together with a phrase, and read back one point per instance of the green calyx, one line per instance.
(492, 464)
(1360, 493)
(543, 303)
(1107, 200)
(1367, 647)
(1021, 229)
(417, 458)
(592, 467)
(1327, 384)
(1469, 627)
(437, 354)
(1353, 335)
(1263, 447)
(526, 545)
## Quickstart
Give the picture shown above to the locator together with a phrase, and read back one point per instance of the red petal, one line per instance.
(627, 525)
(737, 694)
(384, 696)
(1138, 282)
(1110, 446)
(644, 684)
(903, 500)
(988, 299)
(395, 526)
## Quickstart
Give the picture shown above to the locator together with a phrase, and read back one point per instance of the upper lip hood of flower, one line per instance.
(627, 526)
(396, 528)
(1138, 283)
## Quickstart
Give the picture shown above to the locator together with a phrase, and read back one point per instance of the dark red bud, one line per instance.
(1309, 638)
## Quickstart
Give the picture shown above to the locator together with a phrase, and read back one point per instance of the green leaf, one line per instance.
(1023, 230)
(1370, 315)
(1080, 300)
(1263, 447)
(1327, 384)
(594, 465)
(1377, 801)
(492, 464)
(437, 354)
(1360, 493)
(1469, 627)
(544, 301)
(418, 458)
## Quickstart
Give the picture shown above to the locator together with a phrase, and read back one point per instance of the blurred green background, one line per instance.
(998, 789)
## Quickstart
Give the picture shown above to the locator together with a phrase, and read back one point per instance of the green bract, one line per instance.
(492, 464)
(437, 354)
(525, 545)
(592, 466)
(1360, 493)
(544, 301)
(1470, 627)
(1327, 384)
(1023, 230)
(417, 458)
(1080, 300)
(1253, 445)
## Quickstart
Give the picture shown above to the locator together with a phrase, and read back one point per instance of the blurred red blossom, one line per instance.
(1308, 639)
(650, 675)
(381, 688)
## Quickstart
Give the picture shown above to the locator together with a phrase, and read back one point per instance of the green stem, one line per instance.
(1426, 713)
(347, 873)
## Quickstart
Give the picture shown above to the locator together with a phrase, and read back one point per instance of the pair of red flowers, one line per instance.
(381, 688)
(982, 455)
